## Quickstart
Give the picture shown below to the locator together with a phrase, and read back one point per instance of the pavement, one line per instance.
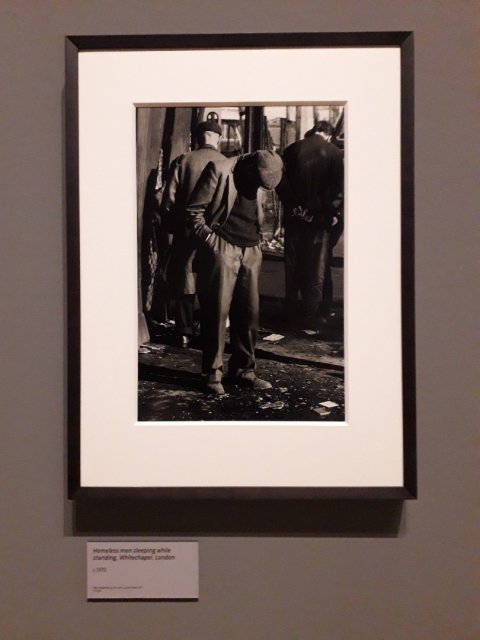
(306, 372)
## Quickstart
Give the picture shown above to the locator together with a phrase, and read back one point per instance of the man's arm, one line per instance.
(285, 193)
(201, 197)
(167, 207)
(337, 180)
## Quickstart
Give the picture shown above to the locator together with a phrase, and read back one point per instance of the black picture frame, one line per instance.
(78, 44)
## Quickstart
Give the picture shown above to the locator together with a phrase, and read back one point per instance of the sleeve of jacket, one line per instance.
(284, 189)
(337, 172)
(261, 197)
(201, 197)
(285, 193)
(167, 206)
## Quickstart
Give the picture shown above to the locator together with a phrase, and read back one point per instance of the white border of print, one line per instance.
(118, 451)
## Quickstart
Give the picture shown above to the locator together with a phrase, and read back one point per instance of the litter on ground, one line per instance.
(143, 350)
(273, 405)
(273, 337)
(321, 411)
(156, 347)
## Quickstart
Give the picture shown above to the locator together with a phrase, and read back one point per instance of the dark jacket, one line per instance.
(183, 176)
(214, 197)
(184, 173)
(313, 177)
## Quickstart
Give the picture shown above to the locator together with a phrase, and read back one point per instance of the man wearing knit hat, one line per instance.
(225, 214)
(184, 174)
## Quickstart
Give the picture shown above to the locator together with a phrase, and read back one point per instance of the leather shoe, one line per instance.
(215, 388)
(253, 381)
(183, 341)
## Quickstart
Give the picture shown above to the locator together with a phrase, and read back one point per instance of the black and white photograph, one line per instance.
(241, 262)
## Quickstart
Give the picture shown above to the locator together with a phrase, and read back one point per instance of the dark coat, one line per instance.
(214, 197)
(313, 178)
(184, 173)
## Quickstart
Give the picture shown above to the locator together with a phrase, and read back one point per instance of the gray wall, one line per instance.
(343, 572)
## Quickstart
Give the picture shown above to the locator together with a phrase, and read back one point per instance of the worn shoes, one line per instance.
(214, 388)
(253, 381)
(249, 380)
(183, 341)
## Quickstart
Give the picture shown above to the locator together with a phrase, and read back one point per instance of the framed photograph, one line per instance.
(240, 239)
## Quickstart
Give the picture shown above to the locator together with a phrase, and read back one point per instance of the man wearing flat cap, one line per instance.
(184, 174)
(225, 214)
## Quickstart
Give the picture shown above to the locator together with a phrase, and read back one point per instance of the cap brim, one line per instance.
(270, 179)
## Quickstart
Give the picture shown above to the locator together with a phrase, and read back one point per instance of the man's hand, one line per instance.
(211, 239)
(199, 200)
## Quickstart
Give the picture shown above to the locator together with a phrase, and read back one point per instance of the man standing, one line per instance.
(184, 174)
(225, 214)
(312, 193)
